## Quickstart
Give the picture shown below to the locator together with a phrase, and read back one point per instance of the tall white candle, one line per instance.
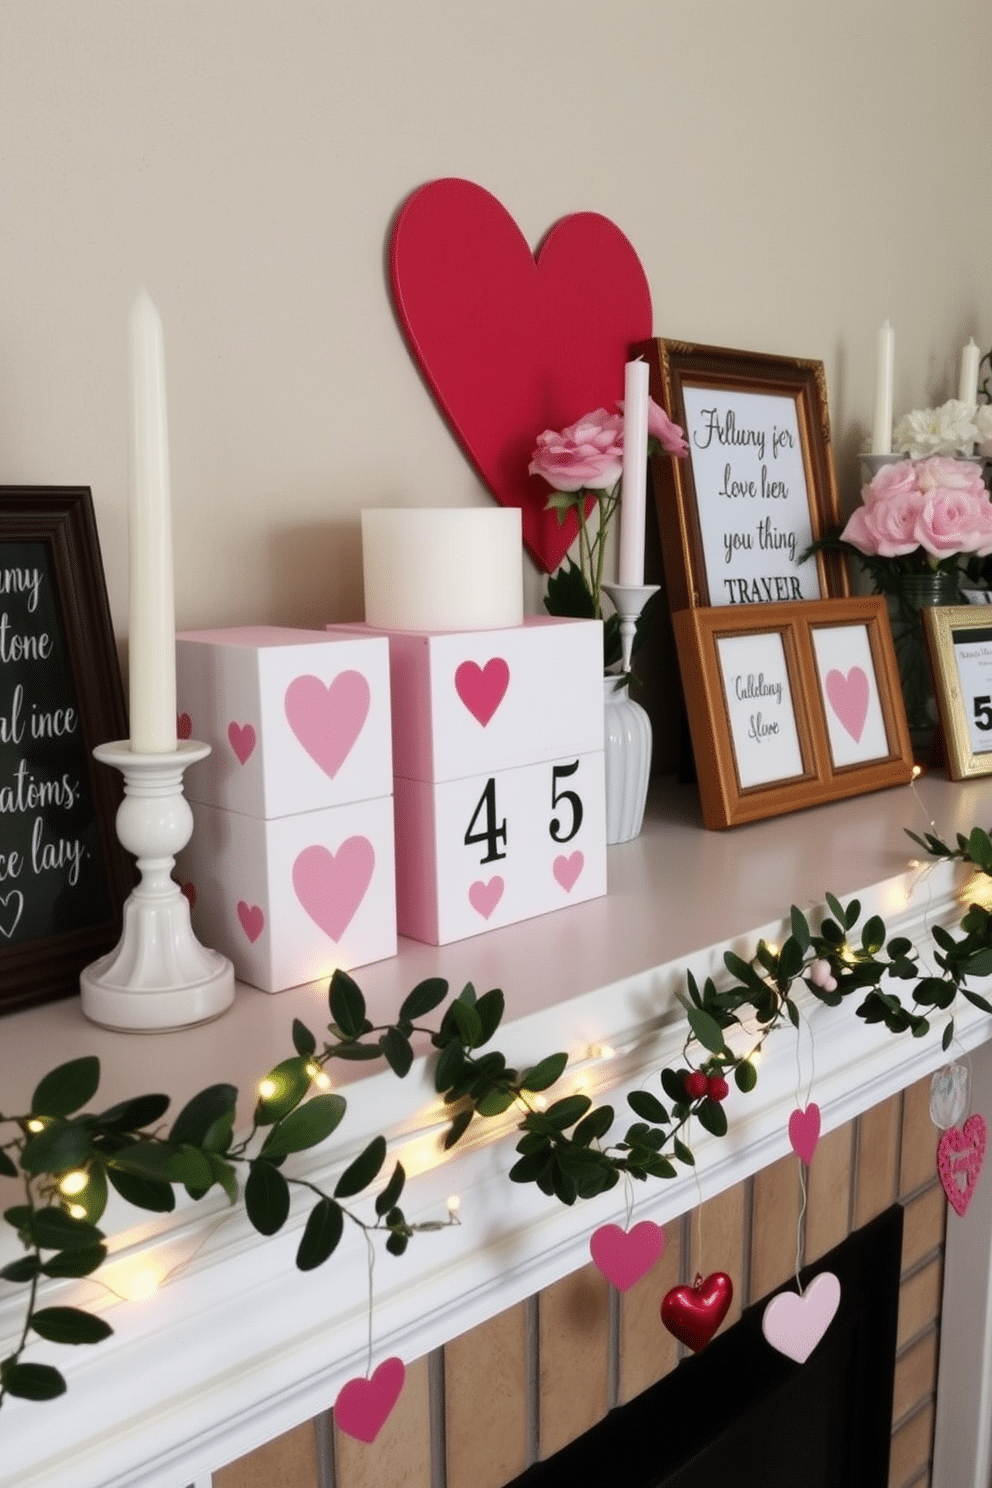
(152, 638)
(881, 437)
(968, 381)
(630, 567)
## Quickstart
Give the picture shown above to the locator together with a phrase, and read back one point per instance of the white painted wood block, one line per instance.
(489, 850)
(297, 720)
(498, 774)
(294, 898)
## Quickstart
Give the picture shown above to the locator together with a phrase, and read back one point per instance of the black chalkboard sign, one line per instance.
(63, 875)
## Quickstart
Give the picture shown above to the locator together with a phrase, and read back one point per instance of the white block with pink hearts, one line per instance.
(498, 774)
(291, 868)
(296, 719)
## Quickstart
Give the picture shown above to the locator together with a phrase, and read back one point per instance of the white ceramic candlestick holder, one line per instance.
(628, 601)
(159, 976)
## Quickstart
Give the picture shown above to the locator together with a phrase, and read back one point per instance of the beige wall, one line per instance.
(790, 172)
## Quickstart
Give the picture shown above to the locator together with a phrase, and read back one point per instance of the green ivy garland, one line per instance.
(67, 1158)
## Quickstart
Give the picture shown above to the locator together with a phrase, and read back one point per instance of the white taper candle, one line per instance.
(630, 567)
(881, 437)
(152, 633)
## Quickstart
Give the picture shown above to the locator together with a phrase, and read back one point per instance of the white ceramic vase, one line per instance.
(627, 744)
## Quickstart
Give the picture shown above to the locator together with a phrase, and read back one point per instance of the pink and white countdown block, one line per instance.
(291, 867)
(498, 774)
(293, 898)
(296, 719)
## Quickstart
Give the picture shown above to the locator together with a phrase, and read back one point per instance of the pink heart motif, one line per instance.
(624, 1256)
(511, 346)
(328, 720)
(567, 870)
(484, 897)
(794, 1322)
(804, 1131)
(482, 689)
(331, 886)
(960, 1154)
(849, 696)
(241, 737)
(252, 920)
(363, 1406)
(184, 726)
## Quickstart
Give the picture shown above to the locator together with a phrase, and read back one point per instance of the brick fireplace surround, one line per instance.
(514, 1343)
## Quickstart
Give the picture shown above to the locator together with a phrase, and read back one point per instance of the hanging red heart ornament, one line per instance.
(693, 1313)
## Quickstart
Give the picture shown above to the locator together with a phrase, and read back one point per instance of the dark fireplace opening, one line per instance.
(740, 1412)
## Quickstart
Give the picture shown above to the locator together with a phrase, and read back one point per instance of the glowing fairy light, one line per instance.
(143, 1284)
(454, 1204)
(73, 1183)
(34, 1125)
(268, 1089)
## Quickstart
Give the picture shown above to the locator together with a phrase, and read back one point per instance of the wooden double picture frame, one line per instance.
(736, 515)
(791, 705)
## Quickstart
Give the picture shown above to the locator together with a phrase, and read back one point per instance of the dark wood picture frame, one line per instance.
(725, 800)
(959, 706)
(682, 507)
(60, 694)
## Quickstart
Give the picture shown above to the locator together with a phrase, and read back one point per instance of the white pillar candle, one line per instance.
(968, 381)
(452, 568)
(881, 438)
(630, 567)
(152, 637)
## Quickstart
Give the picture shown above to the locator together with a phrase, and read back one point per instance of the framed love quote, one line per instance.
(63, 876)
(791, 705)
(960, 642)
(757, 487)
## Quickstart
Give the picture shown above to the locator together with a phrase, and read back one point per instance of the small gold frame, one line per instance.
(947, 628)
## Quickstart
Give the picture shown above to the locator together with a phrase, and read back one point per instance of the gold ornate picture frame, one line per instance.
(758, 484)
(960, 642)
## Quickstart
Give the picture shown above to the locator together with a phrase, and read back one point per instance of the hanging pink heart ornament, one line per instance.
(363, 1406)
(624, 1256)
(804, 1131)
(794, 1324)
(960, 1154)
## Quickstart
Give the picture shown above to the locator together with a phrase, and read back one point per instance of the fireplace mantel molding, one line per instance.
(236, 1346)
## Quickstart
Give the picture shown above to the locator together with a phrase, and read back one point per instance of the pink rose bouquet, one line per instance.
(920, 516)
(583, 464)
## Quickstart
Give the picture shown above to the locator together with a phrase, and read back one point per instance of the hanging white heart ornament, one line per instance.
(948, 1095)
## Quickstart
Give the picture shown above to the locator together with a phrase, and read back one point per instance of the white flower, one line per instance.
(983, 429)
(947, 430)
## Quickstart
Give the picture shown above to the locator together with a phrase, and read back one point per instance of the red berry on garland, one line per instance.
(696, 1085)
(717, 1088)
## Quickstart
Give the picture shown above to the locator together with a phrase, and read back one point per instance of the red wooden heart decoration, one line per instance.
(511, 345)
(693, 1313)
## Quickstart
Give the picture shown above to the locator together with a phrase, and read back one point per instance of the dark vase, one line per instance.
(911, 594)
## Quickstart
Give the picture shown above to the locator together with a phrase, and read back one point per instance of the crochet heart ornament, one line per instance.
(512, 343)
(960, 1154)
(624, 1256)
(693, 1313)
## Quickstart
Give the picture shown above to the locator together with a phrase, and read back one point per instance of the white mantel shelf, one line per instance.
(237, 1346)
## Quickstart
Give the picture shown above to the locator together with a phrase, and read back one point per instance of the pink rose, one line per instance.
(890, 481)
(660, 427)
(887, 528)
(587, 456)
(955, 521)
(941, 473)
